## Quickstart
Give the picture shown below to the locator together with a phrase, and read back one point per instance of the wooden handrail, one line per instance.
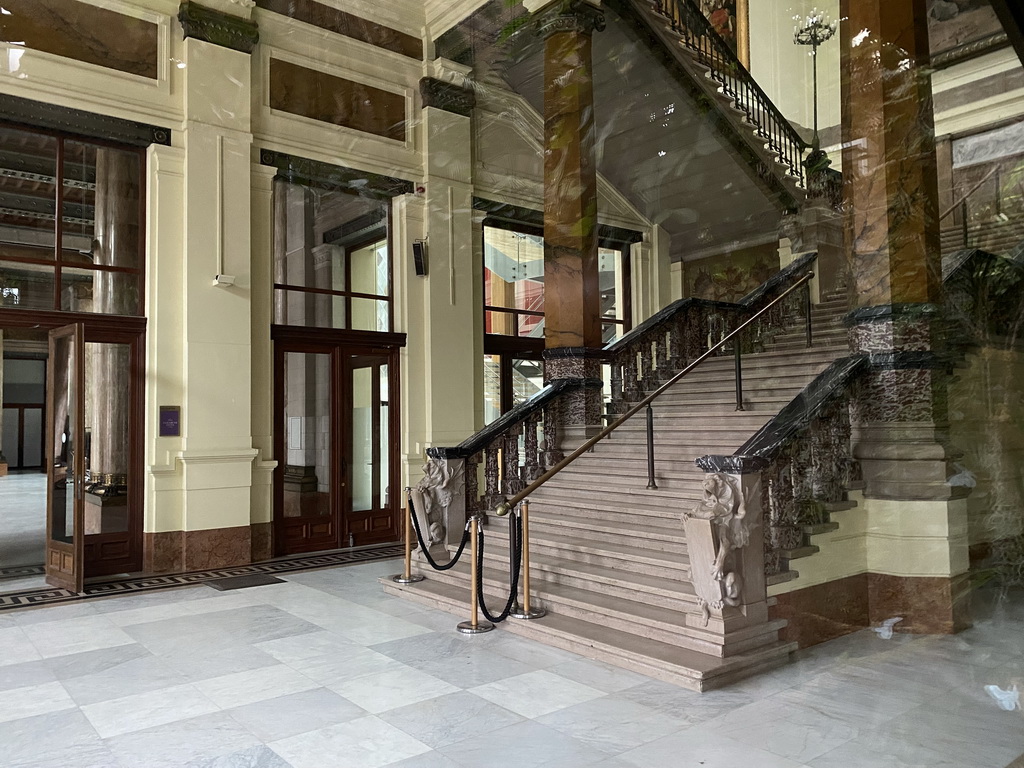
(506, 506)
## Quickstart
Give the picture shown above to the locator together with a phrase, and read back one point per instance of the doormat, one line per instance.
(244, 582)
(124, 586)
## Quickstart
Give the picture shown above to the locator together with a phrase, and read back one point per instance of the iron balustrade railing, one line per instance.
(509, 503)
(698, 36)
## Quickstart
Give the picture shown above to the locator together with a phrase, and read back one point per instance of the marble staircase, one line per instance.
(609, 556)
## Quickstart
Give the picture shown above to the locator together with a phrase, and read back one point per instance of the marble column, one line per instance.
(572, 311)
(115, 244)
(901, 430)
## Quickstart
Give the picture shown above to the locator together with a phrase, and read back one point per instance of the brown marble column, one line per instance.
(901, 430)
(572, 311)
(115, 244)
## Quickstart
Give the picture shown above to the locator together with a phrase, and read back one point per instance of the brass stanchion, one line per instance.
(525, 611)
(407, 576)
(474, 626)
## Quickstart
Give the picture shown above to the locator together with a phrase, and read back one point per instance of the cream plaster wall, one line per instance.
(898, 538)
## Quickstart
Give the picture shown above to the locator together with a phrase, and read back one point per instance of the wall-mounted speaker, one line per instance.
(419, 257)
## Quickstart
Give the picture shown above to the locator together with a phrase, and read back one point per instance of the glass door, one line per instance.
(309, 462)
(65, 458)
(370, 517)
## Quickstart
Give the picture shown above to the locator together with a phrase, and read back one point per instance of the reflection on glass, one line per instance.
(27, 217)
(527, 380)
(26, 286)
(329, 245)
(384, 455)
(492, 388)
(65, 409)
(107, 447)
(307, 424)
(362, 439)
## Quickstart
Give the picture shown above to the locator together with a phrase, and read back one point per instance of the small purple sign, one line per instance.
(170, 421)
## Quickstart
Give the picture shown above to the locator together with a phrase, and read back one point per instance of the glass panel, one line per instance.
(527, 379)
(24, 381)
(89, 290)
(9, 437)
(26, 286)
(513, 269)
(363, 428)
(369, 265)
(370, 315)
(383, 454)
(307, 425)
(531, 326)
(492, 388)
(28, 192)
(65, 409)
(610, 281)
(107, 409)
(311, 310)
(32, 438)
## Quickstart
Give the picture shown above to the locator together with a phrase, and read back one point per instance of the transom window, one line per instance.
(332, 262)
(88, 258)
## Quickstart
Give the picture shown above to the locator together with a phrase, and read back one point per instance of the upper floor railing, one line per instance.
(698, 36)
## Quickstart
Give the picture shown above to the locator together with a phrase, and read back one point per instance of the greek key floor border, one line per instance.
(21, 571)
(124, 586)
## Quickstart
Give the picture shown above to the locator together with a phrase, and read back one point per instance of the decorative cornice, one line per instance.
(212, 26)
(300, 170)
(88, 124)
(970, 50)
(441, 94)
(577, 16)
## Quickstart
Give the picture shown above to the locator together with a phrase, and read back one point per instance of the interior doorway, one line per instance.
(336, 425)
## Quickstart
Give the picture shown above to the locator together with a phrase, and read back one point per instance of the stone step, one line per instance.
(556, 515)
(680, 666)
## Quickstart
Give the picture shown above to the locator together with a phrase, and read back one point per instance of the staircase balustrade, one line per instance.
(806, 457)
(698, 36)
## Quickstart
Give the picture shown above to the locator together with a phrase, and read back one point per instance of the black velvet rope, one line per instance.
(515, 547)
(423, 547)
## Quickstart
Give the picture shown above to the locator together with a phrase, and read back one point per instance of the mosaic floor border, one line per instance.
(53, 595)
(21, 571)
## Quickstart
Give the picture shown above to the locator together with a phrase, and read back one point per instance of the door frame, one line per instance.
(338, 344)
(116, 329)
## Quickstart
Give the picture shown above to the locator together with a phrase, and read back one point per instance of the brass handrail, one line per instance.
(506, 506)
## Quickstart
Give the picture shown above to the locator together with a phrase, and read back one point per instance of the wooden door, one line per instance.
(371, 439)
(65, 458)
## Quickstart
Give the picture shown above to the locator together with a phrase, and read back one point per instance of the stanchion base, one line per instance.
(517, 612)
(467, 627)
(400, 579)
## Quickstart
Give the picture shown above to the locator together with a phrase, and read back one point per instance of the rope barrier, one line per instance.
(426, 551)
(515, 552)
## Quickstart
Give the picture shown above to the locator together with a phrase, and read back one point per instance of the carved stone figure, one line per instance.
(440, 484)
(715, 529)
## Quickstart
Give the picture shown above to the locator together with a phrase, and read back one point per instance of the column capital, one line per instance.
(579, 16)
(215, 26)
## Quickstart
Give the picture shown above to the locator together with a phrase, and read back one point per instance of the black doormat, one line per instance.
(244, 582)
(124, 586)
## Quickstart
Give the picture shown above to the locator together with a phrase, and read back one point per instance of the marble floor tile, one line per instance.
(284, 716)
(145, 710)
(697, 747)
(44, 615)
(241, 688)
(872, 750)
(309, 645)
(448, 719)
(536, 693)
(453, 658)
(204, 660)
(599, 675)
(17, 648)
(131, 602)
(368, 742)
(34, 700)
(176, 744)
(530, 652)
(37, 738)
(426, 760)
(138, 675)
(380, 630)
(77, 635)
(611, 724)
(260, 756)
(25, 674)
(524, 744)
(339, 668)
(94, 662)
(382, 691)
(249, 624)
